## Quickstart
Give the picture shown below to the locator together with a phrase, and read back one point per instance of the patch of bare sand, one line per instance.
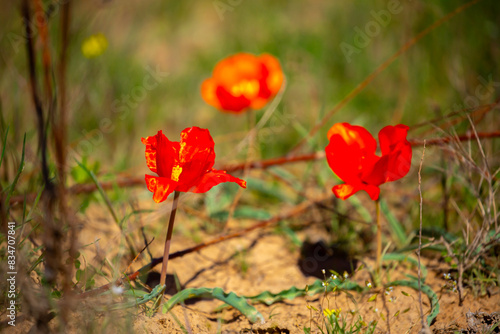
(272, 266)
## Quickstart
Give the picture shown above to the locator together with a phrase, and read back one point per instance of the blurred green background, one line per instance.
(187, 38)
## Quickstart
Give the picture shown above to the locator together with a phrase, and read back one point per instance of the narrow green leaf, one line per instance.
(291, 234)
(16, 178)
(101, 191)
(133, 213)
(289, 177)
(363, 212)
(248, 212)
(425, 289)
(4, 145)
(239, 303)
(317, 287)
(397, 230)
(406, 258)
(138, 301)
(268, 189)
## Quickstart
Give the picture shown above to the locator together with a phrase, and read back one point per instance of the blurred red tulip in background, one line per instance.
(243, 81)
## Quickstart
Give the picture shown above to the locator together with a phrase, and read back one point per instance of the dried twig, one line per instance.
(424, 324)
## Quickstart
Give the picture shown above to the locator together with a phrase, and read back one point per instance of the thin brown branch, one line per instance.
(263, 164)
(59, 134)
(420, 240)
(43, 30)
(124, 182)
(481, 110)
(446, 140)
(42, 141)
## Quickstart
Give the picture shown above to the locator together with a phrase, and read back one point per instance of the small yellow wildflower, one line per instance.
(94, 45)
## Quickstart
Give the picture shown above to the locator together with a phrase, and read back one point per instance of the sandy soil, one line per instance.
(272, 266)
(263, 261)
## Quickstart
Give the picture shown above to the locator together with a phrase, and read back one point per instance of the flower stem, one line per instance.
(379, 238)
(166, 251)
(252, 132)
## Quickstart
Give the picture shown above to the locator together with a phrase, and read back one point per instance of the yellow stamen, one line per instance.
(248, 88)
(176, 171)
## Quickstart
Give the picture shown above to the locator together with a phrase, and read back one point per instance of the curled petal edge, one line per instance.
(215, 177)
(161, 187)
(344, 191)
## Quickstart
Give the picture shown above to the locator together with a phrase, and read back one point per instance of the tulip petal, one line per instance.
(392, 136)
(396, 157)
(161, 187)
(215, 177)
(274, 78)
(350, 151)
(167, 153)
(231, 103)
(344, 191)
(196, 156)
(241, 66)
(373, 191)
(208, 88)
(150, 143)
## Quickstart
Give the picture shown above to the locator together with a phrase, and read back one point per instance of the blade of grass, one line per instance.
(433, 298)
(28, 218)
(108, 205)
(16, 178)
(4, 143)
(397, 230)
(133, 213)
(363, 212)
(406, 258)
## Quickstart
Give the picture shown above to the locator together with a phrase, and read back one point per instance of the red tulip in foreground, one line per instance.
(243, 81)
(181, 167)
(184, 166)
(351, 156)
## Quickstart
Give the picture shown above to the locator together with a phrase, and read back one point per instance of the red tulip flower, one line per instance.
(243, 81)
(351, 155)
(184, 166)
